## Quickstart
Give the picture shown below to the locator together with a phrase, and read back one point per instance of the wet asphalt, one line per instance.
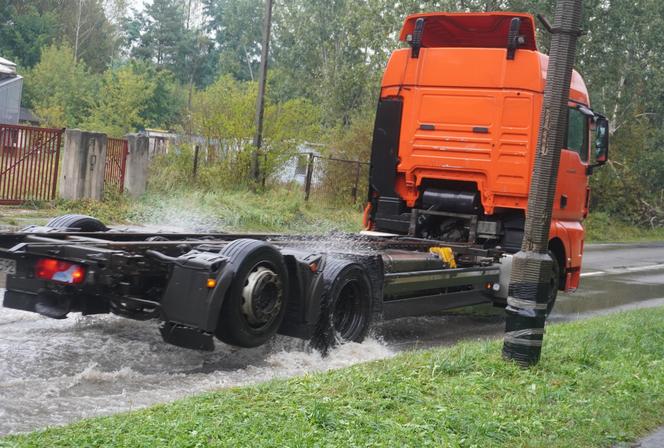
(55, 372)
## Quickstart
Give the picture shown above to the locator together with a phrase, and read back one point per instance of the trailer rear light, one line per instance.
(59, 271)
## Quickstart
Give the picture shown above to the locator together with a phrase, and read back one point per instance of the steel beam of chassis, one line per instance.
(425, 305)
(137, 240)
(407, 282)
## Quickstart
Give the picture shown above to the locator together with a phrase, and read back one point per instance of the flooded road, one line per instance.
(54, 372)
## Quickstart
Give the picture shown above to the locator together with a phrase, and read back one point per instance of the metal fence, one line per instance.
(334, 180)
(29, 160)
(116, 163)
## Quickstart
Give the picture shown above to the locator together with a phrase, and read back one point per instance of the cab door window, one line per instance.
(577, 134)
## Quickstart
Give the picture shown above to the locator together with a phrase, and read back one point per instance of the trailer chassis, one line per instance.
(244, 288)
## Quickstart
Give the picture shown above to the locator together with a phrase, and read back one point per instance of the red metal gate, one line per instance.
(116, 163)
(29, 160)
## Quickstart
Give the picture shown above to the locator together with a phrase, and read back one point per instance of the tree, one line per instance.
(24, 31)
(59, 89)
(85, 26)
(236, 26)
(121, 102)
(157, 32)
(28, 26)
(223, 113)
(164, 106)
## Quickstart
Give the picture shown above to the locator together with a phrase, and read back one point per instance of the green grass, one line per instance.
(275, 210)
(603, 228)
(600, 382)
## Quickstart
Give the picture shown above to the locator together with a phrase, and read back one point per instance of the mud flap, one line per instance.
(53, 306)
(186, 337)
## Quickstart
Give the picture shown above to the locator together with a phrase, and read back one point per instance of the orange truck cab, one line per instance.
(456, 133)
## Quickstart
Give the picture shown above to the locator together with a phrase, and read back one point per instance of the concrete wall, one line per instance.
(83, 159)
(138, 162)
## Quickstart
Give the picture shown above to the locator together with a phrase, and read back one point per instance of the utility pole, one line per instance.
(78, 30)
(260, 101)
(532, 267)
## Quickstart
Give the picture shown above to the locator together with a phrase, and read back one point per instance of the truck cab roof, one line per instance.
(469, 50)
(470, 30)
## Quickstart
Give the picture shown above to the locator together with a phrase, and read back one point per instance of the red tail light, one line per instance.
(59, 271)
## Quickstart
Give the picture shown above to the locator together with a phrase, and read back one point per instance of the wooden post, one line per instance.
(196, 151)
(260, 101)
(357, 181)
(307, 179)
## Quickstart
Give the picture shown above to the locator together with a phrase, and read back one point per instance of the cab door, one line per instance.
(572, 190)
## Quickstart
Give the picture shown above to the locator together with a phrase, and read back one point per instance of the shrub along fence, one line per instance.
(329, 180)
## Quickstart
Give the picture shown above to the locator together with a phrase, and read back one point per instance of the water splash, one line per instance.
(55, 372)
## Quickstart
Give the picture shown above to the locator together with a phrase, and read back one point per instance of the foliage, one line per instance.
(59, 89)
(159, 30)
(27, 27)
(602, 227)
(85, 26)
(161, 34)
(123, 97)
(606, 387)
(24, 32)
(224, 115)
(237, 30)
(165, 104)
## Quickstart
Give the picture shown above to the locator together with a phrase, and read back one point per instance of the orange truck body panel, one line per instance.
(472, 115)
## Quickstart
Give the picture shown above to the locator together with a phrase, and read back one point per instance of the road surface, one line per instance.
(55, 372)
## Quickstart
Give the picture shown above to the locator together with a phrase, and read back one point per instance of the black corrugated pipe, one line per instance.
(532, 266)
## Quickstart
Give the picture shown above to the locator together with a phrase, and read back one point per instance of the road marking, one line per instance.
(624, 270)
(592, 274)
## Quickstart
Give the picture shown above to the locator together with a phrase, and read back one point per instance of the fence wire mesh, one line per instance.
(336, 181)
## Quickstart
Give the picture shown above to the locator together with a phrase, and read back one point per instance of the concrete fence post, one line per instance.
(138, 161)
(83, 164)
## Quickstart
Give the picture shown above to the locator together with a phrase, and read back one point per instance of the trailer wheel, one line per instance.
(347, 306)
(81, 223)
(255, 304)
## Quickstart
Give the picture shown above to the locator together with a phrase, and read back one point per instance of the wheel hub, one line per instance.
(262, 296)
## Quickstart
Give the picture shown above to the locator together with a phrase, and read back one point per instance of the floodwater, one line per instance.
(55, 372)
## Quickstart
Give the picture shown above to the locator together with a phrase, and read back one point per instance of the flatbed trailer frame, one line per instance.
(243, 288)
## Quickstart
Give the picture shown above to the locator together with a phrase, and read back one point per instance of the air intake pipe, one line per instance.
(451, 201)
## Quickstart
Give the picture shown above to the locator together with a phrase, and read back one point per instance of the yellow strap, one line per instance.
(445, 254)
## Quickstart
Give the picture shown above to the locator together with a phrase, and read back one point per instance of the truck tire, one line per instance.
(554, 284)
(255, 303)
(81, 223)
(346, 309)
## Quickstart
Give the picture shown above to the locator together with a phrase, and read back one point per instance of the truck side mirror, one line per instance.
(601, 140)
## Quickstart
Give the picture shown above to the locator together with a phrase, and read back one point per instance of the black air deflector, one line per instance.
(385, 147)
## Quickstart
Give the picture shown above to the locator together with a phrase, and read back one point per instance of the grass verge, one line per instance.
(603, 228)
(601, 381)
(275, 210)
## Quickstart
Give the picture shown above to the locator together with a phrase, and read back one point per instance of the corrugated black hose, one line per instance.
(532, 266)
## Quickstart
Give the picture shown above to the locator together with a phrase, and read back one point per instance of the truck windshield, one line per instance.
(577, 134)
